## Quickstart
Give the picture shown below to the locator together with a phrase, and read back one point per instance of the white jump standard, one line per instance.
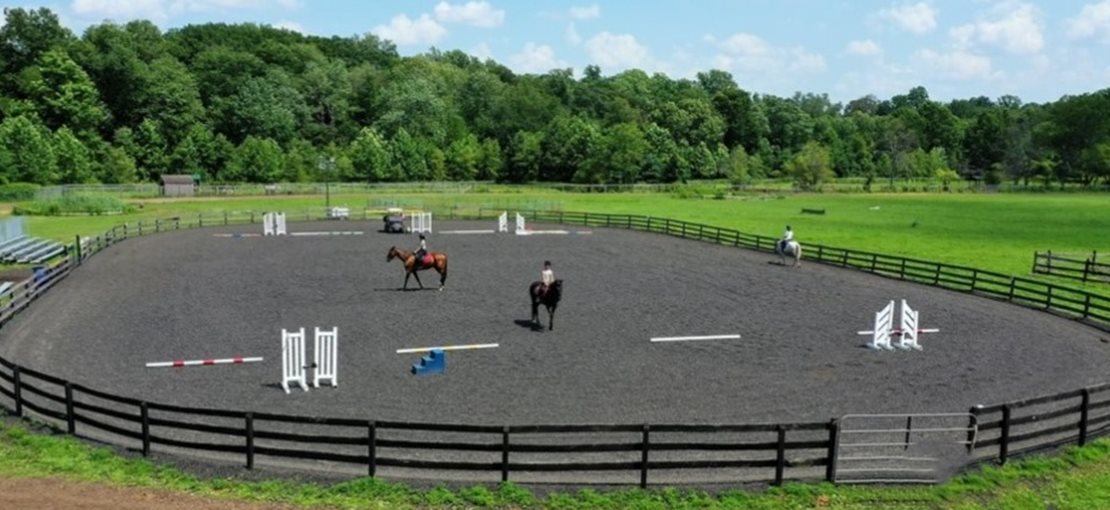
(421, 223)
(273, 224)
(907, 329)
(292, 360)
(324, 358)
(238, 360)
(503, 222)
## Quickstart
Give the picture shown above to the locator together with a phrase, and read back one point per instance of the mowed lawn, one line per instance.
(999, 232)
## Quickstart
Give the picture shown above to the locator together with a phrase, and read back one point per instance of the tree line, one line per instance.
(253, 103)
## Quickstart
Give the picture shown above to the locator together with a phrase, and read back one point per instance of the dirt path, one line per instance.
(51, 494)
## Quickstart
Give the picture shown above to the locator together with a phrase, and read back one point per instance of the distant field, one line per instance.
(990, 231)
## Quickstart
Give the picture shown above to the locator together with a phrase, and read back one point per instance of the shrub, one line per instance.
(74, 205)
(18, 191)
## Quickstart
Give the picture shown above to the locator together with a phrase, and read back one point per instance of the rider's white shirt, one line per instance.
(788, 236)
(548, 276)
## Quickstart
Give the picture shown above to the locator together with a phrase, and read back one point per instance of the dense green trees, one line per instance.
(124, 103)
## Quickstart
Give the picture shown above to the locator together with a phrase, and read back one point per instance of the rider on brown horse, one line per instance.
(422, 252)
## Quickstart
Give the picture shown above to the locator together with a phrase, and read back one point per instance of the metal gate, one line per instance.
(903, 448)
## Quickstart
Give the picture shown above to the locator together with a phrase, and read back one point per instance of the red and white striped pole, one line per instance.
(202, 362)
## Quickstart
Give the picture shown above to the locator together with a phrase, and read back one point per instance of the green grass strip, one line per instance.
(1076, 479)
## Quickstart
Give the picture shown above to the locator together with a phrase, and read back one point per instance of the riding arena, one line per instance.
(658, 343)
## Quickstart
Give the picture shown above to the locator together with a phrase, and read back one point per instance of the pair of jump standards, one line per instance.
(907, 329)
(324, 362)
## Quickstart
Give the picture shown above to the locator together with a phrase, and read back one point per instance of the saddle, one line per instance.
(426, 261)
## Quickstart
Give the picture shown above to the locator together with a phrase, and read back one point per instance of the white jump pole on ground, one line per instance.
(694, 338)
(238, 360)
(448, 348)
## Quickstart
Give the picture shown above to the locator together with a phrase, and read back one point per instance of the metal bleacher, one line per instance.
(29, 250)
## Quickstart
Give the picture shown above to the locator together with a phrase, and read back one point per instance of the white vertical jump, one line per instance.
(521, 228)
(325, 359)
(292, 359)
(884, 321)
(908, 327)
(422, 222)
(273, 224)
(503, 222)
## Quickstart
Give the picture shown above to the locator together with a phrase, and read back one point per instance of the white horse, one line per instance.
(793, 249)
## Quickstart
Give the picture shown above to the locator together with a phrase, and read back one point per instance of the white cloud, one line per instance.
(617, 51)
(289, 25)
(864, 48)
(572, 35)
(587, 12)
(918, 18)
(404, 31)
(957, 64)
(1094, 19)
(749, 52)
(482, 52)
(1017, 30)
(478, 14)
(122, 9)
(536, 59)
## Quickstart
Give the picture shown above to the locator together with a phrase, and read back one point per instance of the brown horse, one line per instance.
(439, 262)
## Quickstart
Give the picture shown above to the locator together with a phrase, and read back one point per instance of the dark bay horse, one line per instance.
(439, 262)
(550, 300)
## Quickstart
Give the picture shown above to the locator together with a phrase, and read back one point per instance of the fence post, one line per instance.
(1087, 306)
(780, 459)
(77, 243)
(1004, 442)
(645, 446)
(71, 420)
(972, 424)
(225, 218)
(1013, 280)
(902, 270)
(834, 445)
(200, 220)
(1084, 409)
(874, 261)
(17, 388)
(252, 216)
(372, 447)
(505, 453)
(1048, 299)
(1036, 257)
(820, 253)
(974, 279)
(144, 412)
(936, 276)
(140, 228)
(157, 225)
(250, 439)
(1048, 263)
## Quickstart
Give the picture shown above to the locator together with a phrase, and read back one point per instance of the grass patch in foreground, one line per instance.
(1077, 479)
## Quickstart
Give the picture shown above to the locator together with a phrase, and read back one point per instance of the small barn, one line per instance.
(178, 186)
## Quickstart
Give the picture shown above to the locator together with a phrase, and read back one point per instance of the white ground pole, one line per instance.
(449, 348)
(238, 360)
(694, 338)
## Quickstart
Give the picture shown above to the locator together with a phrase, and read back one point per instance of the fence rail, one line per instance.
(1088, 269)
(640, 454)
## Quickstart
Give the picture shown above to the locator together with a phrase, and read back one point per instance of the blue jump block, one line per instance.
(434, 363)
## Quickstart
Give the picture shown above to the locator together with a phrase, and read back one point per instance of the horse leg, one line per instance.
(417, 275)
(406, 287)
(535, 311)
(550, 319)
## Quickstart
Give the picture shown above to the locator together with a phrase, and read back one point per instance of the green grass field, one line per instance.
(999, 232)
(990, 231)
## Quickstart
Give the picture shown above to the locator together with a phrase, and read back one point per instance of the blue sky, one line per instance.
(1037, 51)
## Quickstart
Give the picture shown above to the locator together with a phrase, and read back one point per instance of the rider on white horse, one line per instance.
(786, 238)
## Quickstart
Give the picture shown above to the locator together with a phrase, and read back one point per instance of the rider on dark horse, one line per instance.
(547, 277)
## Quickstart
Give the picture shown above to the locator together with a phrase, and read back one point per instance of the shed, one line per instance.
(178, 186)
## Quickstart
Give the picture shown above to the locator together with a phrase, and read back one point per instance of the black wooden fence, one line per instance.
(1088, 269)
(627, 454)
